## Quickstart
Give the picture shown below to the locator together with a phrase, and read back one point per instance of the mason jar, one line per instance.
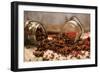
(34, 32)
(73, 29)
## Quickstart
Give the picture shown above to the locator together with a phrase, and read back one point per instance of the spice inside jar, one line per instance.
(34, 33)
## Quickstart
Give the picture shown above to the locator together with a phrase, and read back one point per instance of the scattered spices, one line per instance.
(64, 45)
(61, 46)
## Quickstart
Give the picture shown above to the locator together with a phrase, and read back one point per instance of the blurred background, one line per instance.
(55, 20)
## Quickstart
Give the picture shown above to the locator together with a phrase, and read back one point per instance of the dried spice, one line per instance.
(34, 32)
(71, 35)
(64, 45)
(38, 53)
(40, 34)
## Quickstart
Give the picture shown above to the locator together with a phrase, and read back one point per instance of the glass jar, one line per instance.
(73, 29)
(34, 32)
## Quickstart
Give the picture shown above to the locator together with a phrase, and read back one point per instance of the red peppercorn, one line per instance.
(71, 35)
